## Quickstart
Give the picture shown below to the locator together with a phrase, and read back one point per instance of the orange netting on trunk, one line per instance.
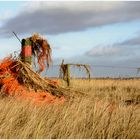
(19, 80)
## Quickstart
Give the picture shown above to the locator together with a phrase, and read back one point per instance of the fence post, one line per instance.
(65, 71)
(68, 75)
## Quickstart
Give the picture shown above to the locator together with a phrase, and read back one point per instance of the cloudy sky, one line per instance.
(93, 32)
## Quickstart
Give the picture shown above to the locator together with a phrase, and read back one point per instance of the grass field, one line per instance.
(102, 109)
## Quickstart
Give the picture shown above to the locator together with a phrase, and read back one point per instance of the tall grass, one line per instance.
(100, 113)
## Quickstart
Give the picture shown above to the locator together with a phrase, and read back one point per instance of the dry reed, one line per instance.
(100, 113)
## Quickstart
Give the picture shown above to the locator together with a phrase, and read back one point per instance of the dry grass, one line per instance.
(103, 112)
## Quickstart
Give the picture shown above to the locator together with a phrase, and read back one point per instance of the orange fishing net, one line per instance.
(41, 50)
(11, 85)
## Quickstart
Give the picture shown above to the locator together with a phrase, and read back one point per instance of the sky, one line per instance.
(91, 32)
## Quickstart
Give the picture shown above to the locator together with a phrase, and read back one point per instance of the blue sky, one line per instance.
(77, 43)
(85, 32)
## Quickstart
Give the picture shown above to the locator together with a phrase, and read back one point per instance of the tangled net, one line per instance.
(19, 80)
(41, 50)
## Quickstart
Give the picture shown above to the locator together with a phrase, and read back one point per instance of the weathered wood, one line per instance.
(65, 71)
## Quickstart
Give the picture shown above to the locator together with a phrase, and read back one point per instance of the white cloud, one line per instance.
(102, 51)
(60, 17)
(78, 6)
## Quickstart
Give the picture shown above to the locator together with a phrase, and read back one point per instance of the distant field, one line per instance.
(103, 108)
